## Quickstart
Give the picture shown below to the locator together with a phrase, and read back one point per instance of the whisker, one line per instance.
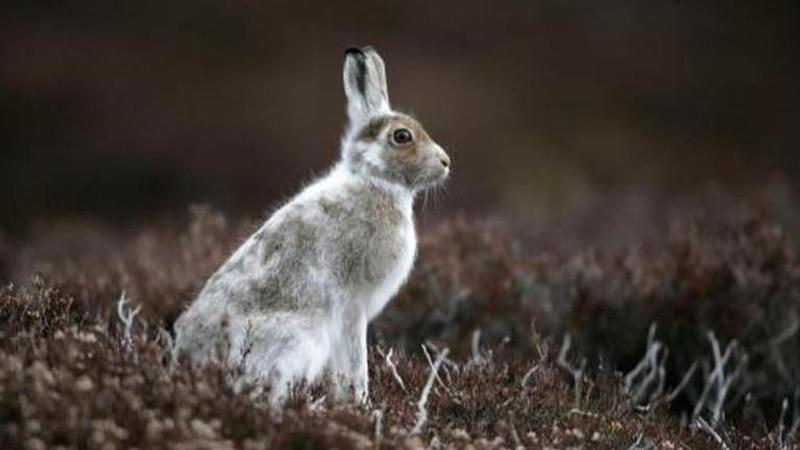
(440, 191)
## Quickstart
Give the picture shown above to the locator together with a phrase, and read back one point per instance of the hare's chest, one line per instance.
(397, 262)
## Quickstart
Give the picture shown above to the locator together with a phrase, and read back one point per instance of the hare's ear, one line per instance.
(365, 85)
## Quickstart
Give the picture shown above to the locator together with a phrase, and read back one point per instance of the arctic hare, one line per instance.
(293, 302)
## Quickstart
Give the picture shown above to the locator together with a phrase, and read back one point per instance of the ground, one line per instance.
(504, 337)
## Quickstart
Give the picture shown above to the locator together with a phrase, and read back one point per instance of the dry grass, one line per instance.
(70, 377)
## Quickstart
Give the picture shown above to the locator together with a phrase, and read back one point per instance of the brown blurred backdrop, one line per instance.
(130, 109)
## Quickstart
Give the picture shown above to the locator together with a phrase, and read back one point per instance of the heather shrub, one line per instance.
(503, 303)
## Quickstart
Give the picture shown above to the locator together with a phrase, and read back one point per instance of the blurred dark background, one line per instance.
(129, 110)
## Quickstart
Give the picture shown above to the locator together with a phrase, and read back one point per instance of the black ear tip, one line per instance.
(352, 50)
(359, 51)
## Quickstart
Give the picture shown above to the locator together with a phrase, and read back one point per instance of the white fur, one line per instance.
(287, 307)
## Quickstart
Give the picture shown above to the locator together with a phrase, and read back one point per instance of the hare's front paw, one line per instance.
(346, 388)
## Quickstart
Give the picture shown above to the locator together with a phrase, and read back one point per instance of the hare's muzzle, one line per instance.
(443, 158)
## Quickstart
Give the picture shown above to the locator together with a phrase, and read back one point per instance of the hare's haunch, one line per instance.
(293, 302)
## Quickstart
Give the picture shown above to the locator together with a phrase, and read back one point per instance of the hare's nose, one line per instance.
(445, 160)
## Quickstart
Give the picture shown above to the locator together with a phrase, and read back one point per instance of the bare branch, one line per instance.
(792, 434)
(718, 381)
(422, 412)
(682, 385)
(430, 363)
(646, 380)
(528, 375)
(447, 361)
(126, 315)
(514, 435)
(576, 372)
(773, 347)
(477, 358)
(704, 426)
(542, 346)
(316, 405)
(786, 438)
(641, 443)
(786, 334)
(393, 369)
(378, 426)
(782, 424)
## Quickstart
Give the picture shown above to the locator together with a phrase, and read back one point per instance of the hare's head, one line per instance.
(381, 142)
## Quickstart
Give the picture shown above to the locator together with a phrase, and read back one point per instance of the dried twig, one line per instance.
(126, 315)
(718, 380)
(477, 358)
(576, 372)
(447, 361)
(791, 435)
(704, 426)
(641, 443)
(378, 413)
(788, 332)
(782, 424)
(528, 375)
(682, 385)
(318, 404)
(393, 369)
(422, 411)
(646, 381)
(786, 438)
(774, 346)
(438, 378)
(541, 350)
(514, 435)
(542, 346)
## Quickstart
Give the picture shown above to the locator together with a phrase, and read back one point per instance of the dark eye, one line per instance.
(401, 136)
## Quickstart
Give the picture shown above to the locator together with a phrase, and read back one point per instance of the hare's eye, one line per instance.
(401, 136)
